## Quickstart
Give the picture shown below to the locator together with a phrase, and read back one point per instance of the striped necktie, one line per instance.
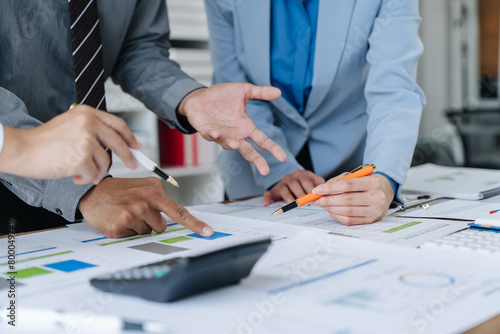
(87, 53)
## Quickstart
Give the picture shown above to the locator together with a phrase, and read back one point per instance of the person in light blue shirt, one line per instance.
(347, 73)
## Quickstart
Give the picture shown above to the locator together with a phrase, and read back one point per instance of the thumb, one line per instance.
(262, 92)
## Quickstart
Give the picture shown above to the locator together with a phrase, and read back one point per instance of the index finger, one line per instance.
(120, 126)
(112, 140)
(348, 185)
(182, 216)
(267, 144)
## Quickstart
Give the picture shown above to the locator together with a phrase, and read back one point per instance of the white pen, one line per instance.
(149, 164)
(60, 321)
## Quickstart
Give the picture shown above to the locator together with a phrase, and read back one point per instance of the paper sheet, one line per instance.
(317, 283)
(401, 231)
(48, 260)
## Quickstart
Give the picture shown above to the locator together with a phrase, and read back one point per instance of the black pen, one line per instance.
(145, 161)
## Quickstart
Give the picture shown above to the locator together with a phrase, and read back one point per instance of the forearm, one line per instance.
(60, 195)
(144, 69)
(13, 154)
(395, 101)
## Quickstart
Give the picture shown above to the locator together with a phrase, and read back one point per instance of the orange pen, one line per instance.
(363, 170)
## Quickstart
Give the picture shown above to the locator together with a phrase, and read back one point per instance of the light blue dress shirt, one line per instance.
(293, 41)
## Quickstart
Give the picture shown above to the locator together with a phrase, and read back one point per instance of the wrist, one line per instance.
(88, 201)
(388, 183)
(85, 201)
(186, 102)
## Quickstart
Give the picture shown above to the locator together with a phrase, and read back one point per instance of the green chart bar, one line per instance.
(402, 227)
(141, 237)
(175, 240)
(29, 272)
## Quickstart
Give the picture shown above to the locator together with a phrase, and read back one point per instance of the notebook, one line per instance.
(454, 182)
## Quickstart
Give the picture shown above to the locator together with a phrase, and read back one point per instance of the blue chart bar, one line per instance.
(312, 280)
(216, 235)
(95, 239)
(70, 265)
(35, 251)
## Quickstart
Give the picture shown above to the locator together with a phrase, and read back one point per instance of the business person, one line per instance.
(59, 52)
(71, 144)
(347, 73)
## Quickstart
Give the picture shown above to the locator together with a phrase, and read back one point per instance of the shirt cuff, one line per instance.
(62, 197)
(173, 98)
(184, 123)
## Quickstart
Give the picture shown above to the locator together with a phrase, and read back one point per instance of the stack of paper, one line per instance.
(454, 182)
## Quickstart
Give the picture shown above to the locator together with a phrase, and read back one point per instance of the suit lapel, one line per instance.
(333, 26)
(254, 19)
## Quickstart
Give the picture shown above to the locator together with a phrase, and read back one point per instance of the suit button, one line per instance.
(59, 212)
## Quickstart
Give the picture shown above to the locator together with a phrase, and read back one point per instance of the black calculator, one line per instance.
(180, 277)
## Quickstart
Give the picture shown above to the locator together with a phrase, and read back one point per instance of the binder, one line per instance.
(171, 143)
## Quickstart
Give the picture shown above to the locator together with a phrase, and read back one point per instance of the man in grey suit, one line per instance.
(37, 82)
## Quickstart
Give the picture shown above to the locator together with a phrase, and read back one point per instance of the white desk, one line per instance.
(211, 309)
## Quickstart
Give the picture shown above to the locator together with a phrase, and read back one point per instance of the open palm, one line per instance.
(219, 114)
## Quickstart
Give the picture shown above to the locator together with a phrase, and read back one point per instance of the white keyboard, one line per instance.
(468, 241)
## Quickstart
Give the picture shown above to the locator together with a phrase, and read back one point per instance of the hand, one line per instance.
(71, 144)
(124, 207)
(219, 114)
(356, 201)
(293, 186)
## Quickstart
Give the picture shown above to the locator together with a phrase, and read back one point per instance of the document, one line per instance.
(70, 256)
(400, 231)
(454, 182)
(316, 283)
(354, 286)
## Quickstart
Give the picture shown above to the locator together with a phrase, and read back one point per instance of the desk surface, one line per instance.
(490, 326)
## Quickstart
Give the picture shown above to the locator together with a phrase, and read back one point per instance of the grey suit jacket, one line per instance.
(37, 78)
